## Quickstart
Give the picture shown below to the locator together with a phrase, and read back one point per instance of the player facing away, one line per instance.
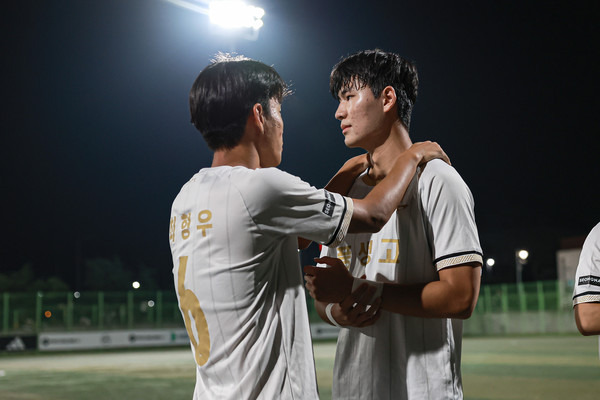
(233, 234)
(586, 293)
(426, 260)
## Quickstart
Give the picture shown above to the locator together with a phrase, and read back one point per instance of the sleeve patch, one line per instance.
(329, 206)
(589, 280)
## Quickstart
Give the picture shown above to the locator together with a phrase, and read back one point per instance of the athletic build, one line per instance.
(427, 257)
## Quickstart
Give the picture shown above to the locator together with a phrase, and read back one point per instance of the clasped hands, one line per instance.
(334, 284)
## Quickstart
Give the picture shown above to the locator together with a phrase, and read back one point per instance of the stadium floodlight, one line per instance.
(235, 14)
(226, 13)
(135, 285)
(490, 262)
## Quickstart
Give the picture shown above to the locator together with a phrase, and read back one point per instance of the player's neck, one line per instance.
(384, 156)
(244, 154)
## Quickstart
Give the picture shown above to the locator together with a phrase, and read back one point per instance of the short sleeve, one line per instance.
(449, 214)
(587, 276)
(283, 204)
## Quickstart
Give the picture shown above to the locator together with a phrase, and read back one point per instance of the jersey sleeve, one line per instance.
(587, 276)
(449, 214)
(283, 204)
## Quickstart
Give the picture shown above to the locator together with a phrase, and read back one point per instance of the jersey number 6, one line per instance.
(190, 305)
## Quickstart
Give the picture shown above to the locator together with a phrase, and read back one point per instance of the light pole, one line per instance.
(520, 260)
(490, 263)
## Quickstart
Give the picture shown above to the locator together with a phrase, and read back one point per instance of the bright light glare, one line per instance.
(77, 295)
(490, 262)
(523, 254)
(150, 303)
(135, 285)
(235, 14)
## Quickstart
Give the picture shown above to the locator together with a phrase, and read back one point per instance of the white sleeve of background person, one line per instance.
(587, 276)
(449, 205)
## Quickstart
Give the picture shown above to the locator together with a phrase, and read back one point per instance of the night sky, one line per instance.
(96, 139)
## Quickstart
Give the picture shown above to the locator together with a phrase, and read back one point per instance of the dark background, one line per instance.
(96, 139)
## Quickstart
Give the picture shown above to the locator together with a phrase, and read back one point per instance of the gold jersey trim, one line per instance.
(458, 260)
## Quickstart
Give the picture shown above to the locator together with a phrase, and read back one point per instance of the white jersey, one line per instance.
(587, 276)
(402, 357)
(233, 237)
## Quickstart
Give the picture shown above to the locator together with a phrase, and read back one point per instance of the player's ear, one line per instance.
(257, 117)
(388, 97)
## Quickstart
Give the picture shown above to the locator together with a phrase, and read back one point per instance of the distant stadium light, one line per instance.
(523, 254)
(490, 262)
(235, 14)
(150, 303)
(135, 285)
(521, 257)
(76, 295)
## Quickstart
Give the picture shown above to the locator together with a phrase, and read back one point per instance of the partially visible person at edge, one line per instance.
(425, 262)
(234, 232)
(586, 293)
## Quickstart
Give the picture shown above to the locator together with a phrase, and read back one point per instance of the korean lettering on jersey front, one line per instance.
(388, 252)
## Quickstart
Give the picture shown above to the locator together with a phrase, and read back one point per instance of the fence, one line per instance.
(531, 307)
(67, 311)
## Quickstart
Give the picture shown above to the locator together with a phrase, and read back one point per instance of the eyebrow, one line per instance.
(345, 90)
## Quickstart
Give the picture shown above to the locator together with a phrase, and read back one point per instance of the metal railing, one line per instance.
(530, 307)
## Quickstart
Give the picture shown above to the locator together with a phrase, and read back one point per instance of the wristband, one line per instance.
(331, 319)
(378, 288)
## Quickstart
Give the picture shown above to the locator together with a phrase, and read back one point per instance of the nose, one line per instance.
(340, 113)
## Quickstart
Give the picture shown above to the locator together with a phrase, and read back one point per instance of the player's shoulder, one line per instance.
(438, 170)
(268, 177)
(596, 230)
(437, 177)
(593, 238)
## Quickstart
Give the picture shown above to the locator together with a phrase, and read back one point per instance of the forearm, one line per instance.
(320, 307)
(372, 212)
(446, 298)
(587, 318)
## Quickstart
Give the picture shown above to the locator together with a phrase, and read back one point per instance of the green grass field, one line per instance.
(540, 367)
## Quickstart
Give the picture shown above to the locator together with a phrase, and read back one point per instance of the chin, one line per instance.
(350, 143)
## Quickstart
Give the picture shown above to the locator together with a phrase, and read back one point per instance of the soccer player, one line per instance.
(233, 236)
(586, 294)
(426, 261)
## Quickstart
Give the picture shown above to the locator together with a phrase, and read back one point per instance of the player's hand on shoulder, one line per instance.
(427, 151)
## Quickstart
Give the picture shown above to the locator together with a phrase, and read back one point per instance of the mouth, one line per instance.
(345, 128)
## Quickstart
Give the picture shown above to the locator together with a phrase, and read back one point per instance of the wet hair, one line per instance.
(223, 94)
(378, 69)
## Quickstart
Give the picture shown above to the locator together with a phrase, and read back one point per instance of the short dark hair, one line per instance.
(378, 69)
(224, 93)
